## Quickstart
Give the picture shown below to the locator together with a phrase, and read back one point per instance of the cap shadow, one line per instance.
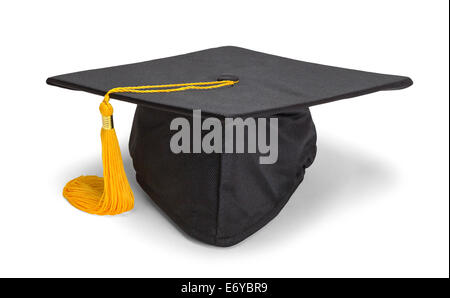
(340, 176)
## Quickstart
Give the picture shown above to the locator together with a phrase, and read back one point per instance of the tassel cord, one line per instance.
(112, 194)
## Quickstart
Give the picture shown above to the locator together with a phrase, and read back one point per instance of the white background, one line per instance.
(374, 203)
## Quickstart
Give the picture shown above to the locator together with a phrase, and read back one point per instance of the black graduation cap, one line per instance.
(219, 197)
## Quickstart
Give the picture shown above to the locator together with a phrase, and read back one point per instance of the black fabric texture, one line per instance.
(268, 84)
(222, 198)
(219, 198)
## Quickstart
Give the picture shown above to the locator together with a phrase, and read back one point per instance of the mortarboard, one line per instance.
(221, 138)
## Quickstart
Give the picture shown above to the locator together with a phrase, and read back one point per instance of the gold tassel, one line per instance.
(111, 194)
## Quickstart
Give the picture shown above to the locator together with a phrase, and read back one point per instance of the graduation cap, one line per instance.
(216, 192)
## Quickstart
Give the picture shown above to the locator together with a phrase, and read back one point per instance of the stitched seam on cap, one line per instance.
(218, 196)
